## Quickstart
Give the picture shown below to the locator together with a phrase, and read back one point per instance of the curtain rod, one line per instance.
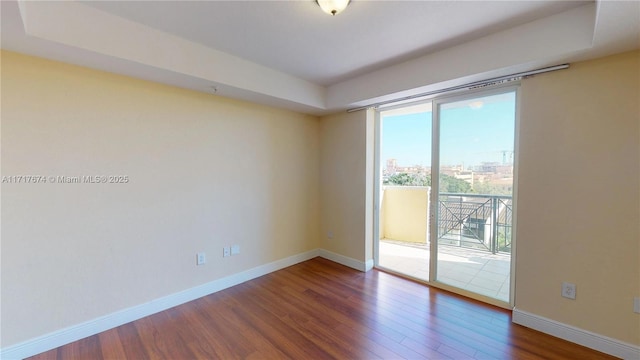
(473, 85)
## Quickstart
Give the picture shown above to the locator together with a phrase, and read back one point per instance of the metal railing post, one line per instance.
(494, 225)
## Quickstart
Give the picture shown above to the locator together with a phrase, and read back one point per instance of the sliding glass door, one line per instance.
(472, 202)
(445, 208)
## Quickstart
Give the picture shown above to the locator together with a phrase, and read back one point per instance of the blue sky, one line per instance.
(472, 131)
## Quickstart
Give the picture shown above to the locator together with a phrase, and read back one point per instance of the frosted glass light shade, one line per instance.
(333, 7)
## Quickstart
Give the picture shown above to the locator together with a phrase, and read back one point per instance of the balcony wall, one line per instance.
(404, 213)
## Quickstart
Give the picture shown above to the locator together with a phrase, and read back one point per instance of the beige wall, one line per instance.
(404, 213)
(204, 172)
(344, 185)
(579, 196)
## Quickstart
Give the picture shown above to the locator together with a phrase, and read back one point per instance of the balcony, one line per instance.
(474, 238)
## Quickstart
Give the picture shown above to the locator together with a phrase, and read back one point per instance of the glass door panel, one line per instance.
(405, 162)
(474, 209)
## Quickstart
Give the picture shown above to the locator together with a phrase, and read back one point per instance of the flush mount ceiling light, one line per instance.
(333, 7)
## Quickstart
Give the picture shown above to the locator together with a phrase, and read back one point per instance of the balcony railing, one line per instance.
(483, 222)
(475, 221)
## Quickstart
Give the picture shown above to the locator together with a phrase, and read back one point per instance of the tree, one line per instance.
(452, 185)
(492, 189)
(404, 179)
(447, 183)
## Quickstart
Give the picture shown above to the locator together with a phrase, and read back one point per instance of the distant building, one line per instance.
(392, 168)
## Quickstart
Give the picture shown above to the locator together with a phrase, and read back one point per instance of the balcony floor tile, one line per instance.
(485, 273)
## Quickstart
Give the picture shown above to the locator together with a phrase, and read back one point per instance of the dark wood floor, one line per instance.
(320, 310)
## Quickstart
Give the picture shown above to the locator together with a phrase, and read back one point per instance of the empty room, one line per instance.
(325, 179)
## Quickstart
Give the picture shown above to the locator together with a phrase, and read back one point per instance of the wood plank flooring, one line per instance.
(321, 310)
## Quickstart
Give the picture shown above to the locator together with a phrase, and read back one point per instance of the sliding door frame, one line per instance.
(377, 188)
(435, 188)
(437, 101)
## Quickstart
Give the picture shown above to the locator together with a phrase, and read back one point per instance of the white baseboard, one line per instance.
(344, 260)
(76, 332)
(582, 337)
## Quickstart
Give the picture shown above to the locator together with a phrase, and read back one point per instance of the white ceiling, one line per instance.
(296, 38)
(290, 54)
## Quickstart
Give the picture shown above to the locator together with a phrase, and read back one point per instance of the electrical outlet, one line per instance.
(201, 258)
(636, 305)
(226, 251)
(569, 290)
(330, 234)
(235, 249)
